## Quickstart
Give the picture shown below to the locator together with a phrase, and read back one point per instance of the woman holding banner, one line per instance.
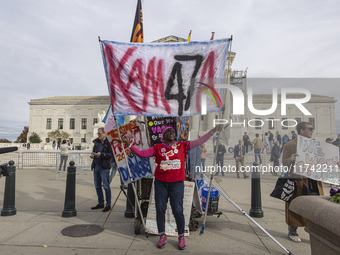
(169, 176)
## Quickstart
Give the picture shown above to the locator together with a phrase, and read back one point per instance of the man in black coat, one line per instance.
(102, 156)
(271, 140)
(220, 156)
(239, 154)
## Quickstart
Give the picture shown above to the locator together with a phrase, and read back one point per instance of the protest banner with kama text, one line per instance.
(164, 79)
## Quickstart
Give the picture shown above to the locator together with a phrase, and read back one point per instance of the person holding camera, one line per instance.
(3, 170)
(102, 156)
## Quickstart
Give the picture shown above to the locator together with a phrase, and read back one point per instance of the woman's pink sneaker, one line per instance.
(181, 243)
(162, 241)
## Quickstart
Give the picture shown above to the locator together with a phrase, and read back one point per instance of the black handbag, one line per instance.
(284, 189)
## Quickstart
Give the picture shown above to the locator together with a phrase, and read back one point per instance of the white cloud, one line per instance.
(51, 48)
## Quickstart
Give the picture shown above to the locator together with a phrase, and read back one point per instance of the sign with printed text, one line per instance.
(155, 126)
(170, 222)
(200, 184)
(182, 127)
(317, 160)
(139, 167)
(164, 79)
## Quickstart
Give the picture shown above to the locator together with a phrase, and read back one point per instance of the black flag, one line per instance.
(137, 30)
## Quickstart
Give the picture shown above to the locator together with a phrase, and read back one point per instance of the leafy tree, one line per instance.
(54, 135)
(4, 140)
(34, 138)
(22, 138)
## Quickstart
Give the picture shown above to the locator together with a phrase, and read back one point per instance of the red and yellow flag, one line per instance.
(137, 30)
(189, 37)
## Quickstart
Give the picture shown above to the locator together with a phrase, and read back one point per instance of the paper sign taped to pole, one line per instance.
(317, 160)
(155, 126)
(170, 223)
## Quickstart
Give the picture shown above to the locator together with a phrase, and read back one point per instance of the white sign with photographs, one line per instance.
(170, 223)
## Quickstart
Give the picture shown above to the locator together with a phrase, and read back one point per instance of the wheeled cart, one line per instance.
(143, 188)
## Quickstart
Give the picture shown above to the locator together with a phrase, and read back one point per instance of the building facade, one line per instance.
(76, 115)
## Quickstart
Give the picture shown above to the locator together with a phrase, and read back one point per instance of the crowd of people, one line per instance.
(269, 144)
(277, 146)
(57, 144)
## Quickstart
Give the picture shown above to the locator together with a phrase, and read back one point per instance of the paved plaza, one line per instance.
(37, 226)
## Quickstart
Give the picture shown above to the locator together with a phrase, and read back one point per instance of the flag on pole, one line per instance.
(212, 36)
(189, 36)
(136, 36)
(137, 29)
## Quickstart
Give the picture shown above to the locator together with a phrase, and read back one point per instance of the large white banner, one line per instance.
(170, 222)
(317, 160)
(164, 79)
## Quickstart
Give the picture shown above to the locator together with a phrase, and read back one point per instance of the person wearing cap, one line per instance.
(329, 140)
(169, 178)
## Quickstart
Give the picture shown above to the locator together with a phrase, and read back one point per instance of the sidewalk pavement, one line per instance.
(37, 226)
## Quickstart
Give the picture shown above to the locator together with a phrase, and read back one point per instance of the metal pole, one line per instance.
(231, 42)
(111, 209)
(130, 201)
(70, 193)
(195, 156)
(250, 218)
(256, 204)
(9, 195)
(212, 174)
(210, 184)
(129, 208)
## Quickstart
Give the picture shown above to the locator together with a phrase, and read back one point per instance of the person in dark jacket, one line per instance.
(220, 156)
(278, 137)
(239, 153)
(337, 142)
(275, 155)
(246, 141)
(285, 139)
(102, 156)
(271, 140)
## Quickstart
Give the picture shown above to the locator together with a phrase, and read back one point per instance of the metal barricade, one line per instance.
(44, 159)
(47, 159)
(6, 157)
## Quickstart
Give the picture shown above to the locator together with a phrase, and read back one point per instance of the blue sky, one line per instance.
(50, 48)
